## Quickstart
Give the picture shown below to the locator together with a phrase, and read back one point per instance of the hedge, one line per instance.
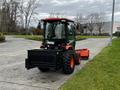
(2, 37)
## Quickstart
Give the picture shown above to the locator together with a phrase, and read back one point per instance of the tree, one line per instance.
(79, 22)
(27, 11)
(13, 7)
(8, 16)
(4, 16)
(91, 20)
(100, 18)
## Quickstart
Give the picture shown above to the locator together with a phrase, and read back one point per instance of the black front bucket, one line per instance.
(42, 58)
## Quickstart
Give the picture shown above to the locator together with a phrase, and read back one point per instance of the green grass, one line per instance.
(102, 73)
(39, 37)
(30, 37)
(78, 37)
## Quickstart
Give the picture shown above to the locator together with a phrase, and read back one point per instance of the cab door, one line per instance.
(71, 34)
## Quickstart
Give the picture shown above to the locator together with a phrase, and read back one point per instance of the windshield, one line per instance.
(55, 30)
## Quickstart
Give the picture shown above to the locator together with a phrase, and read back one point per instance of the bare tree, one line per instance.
(52, 14)
(14, 12)
(79, 22)
(79, 18)
(27, 11)
(91, 20)
(96, 20)
(13, 7)
(100, 18)
(4, 16)
(8, 16)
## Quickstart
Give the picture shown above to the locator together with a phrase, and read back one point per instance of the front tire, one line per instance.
(68, 62)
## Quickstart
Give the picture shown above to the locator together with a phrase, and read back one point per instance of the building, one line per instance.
(106, 29)
(116, 27)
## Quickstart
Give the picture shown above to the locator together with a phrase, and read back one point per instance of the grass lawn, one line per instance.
(30, 37)
(85, 37)
(102, 73)
(39, 37)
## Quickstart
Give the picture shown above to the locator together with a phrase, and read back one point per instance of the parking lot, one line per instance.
(14, 76)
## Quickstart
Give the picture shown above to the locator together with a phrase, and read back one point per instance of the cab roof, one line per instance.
(56, 19)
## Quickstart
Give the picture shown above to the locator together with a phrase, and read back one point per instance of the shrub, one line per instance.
(117, 33)
(37, 32)
(2, 37)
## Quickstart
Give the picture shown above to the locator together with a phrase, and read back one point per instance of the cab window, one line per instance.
(71, 30)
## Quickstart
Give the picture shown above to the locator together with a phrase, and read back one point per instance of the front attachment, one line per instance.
(43, 59)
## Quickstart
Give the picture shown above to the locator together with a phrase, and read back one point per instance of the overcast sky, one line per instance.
(71, 7)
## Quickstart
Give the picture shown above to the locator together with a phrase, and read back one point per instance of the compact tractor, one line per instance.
(58, 47)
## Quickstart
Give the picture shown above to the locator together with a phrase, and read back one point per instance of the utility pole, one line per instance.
(112, 23)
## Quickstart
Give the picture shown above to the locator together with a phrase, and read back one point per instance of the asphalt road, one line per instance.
(14, 76)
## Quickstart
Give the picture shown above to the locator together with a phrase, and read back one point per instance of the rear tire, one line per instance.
(68, 62)
(44, 69)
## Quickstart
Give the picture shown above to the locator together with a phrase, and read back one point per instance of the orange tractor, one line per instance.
(58, 47)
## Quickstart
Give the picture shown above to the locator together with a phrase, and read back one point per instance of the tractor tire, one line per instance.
(43, 69)
(68, 62)
(77, 59)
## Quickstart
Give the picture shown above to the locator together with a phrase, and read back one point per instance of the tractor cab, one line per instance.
(58, 31)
